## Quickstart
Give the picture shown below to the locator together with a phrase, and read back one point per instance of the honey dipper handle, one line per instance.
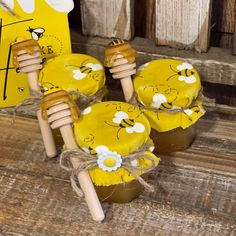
(33, 80)
(47, 136)
(127, 87)
(46, 131)
(86, 184)
(91, 197)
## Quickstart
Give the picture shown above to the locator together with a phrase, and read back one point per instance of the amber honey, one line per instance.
(174, 140)
(120, 193)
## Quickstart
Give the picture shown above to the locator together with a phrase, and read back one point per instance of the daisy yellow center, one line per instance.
(110, 161)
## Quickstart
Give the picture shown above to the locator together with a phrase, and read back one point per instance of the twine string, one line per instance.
(35, 98)
(134, 101)
(33, 101)
(85, 100)
(88, 161)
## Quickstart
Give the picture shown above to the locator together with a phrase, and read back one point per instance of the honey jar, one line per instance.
(169, 92)
(117, 135)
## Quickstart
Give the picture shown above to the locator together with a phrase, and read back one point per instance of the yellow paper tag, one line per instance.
(43, 20)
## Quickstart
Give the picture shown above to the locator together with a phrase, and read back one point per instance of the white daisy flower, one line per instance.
(109, 161)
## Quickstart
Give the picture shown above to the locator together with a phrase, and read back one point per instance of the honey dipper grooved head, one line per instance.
(26, 50)
(59, 97)
(117, 47)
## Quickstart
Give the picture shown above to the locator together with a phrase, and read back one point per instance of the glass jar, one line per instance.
(169, 94)
(120, 193)
(117, 135)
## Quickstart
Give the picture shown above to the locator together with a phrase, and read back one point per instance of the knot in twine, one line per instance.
(33, 101)
(88, 161)
(85, 101)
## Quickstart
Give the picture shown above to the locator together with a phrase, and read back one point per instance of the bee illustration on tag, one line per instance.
(123, 122)
(36, 33)
(21, 89)
(184, 73)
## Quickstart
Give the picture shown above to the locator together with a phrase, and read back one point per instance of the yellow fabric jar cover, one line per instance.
(169, 89)
(110, 131)
(73, 72)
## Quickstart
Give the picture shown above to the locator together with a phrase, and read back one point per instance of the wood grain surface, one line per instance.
(145, 18)
(183, 23)
(195, 190)
(222, 23)
(113, 18)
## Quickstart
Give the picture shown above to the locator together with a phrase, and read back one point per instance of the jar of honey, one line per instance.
(169, 93)
(117, 135)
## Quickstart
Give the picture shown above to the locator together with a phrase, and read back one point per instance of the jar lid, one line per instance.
(119, 126)
(113, 130)
(73, 72)
(169, 90)
(166, 84)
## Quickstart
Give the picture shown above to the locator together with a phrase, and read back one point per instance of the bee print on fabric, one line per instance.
(122, 121)
(184, 72)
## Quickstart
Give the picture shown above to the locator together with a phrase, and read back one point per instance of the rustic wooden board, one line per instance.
(113, 18)
(222, 40)
(216, 66)
(144, 18)
(205, 173)
(183, 23)
(223, 15)
(37, 205)
(222, 23)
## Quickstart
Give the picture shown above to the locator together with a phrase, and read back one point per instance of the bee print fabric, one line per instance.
(73, 72)
(169, 90)
(109, 131)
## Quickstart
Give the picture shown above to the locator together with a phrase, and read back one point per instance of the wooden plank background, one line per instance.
(113, 18)
(217, 68)
(234, 42)
(223, 21)
(146, 20)
(183, 24)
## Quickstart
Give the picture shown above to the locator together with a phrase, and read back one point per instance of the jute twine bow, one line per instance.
(134, 101)
(84, 100)
(88, 161)
(33, 101)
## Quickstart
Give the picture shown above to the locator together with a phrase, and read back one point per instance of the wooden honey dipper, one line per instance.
(120, 57)
(26, 59)
(61, 111)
